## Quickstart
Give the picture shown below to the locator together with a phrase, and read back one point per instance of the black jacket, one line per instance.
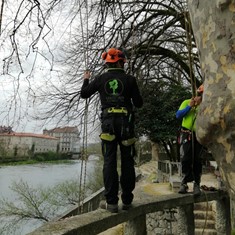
(116, 89)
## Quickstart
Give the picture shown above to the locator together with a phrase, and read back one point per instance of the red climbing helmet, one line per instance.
(113, 55)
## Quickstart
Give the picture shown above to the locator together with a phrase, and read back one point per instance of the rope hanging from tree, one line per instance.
(188, 31)
(82, 183)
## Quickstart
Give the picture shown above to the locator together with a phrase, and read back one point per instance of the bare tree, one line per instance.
(42, 204)
(156, 36)
(157, 39)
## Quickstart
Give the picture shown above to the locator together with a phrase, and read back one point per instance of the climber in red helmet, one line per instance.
(190, 148)
(119, 94)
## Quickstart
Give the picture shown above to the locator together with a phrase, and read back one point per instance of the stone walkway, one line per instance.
(146, 187)
(149, 173)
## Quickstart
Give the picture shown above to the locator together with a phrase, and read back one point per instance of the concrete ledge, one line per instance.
(97, 221)
(89, 204)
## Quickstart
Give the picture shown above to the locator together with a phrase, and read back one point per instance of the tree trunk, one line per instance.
(155, 151)
(213, 23)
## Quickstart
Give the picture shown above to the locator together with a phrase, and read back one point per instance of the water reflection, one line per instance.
(43, 175)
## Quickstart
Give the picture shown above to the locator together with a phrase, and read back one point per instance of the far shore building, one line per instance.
(22, 144)
(69, 138)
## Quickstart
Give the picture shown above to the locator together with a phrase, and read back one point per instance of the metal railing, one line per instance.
(168, 171)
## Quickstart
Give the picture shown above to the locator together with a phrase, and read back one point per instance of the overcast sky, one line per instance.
(16, 107)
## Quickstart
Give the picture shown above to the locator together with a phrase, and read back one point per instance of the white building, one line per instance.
(22, 143)
(69, 138)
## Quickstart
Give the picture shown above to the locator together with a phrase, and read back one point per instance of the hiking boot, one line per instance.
(183, 189)
(196, 189)
(113, 208)
(126, 207)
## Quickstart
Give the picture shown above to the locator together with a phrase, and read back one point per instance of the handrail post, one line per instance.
(170, 169)
(186, 224)
(136, 226)
(223, 216)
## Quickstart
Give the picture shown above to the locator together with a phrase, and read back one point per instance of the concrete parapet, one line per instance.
(97, 221)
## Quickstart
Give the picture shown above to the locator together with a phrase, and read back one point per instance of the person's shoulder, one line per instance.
(129, 76)
(185, 102)
(188, 100)
(101, 75)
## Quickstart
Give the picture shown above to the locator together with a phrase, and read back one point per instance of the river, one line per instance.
(38, 175)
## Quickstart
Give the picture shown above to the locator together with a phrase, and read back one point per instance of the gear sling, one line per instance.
(126, 133)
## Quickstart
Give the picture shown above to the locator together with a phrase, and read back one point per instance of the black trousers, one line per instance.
(119, 126)
(190, 155)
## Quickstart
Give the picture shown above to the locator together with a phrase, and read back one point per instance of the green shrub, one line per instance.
(50, 156)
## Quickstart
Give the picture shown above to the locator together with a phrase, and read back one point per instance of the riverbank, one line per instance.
(31, 162)
(40, 177)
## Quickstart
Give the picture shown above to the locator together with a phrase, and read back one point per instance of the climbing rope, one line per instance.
(207, 209)
(82, 183)
(188, 30)
(133, 42)
(1, 15)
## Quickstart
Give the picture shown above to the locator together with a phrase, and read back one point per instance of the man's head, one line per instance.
(114, 58)
(198, 97)
(200, 90)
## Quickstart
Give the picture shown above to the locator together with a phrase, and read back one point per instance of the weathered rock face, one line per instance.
(213, 23)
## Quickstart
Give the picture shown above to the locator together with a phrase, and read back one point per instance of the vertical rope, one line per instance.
(1, 13)
(84, 143)
(82, 184)
(133, 42)
(193, 84)
(86, 108)
(84, 42)
(189, 47)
